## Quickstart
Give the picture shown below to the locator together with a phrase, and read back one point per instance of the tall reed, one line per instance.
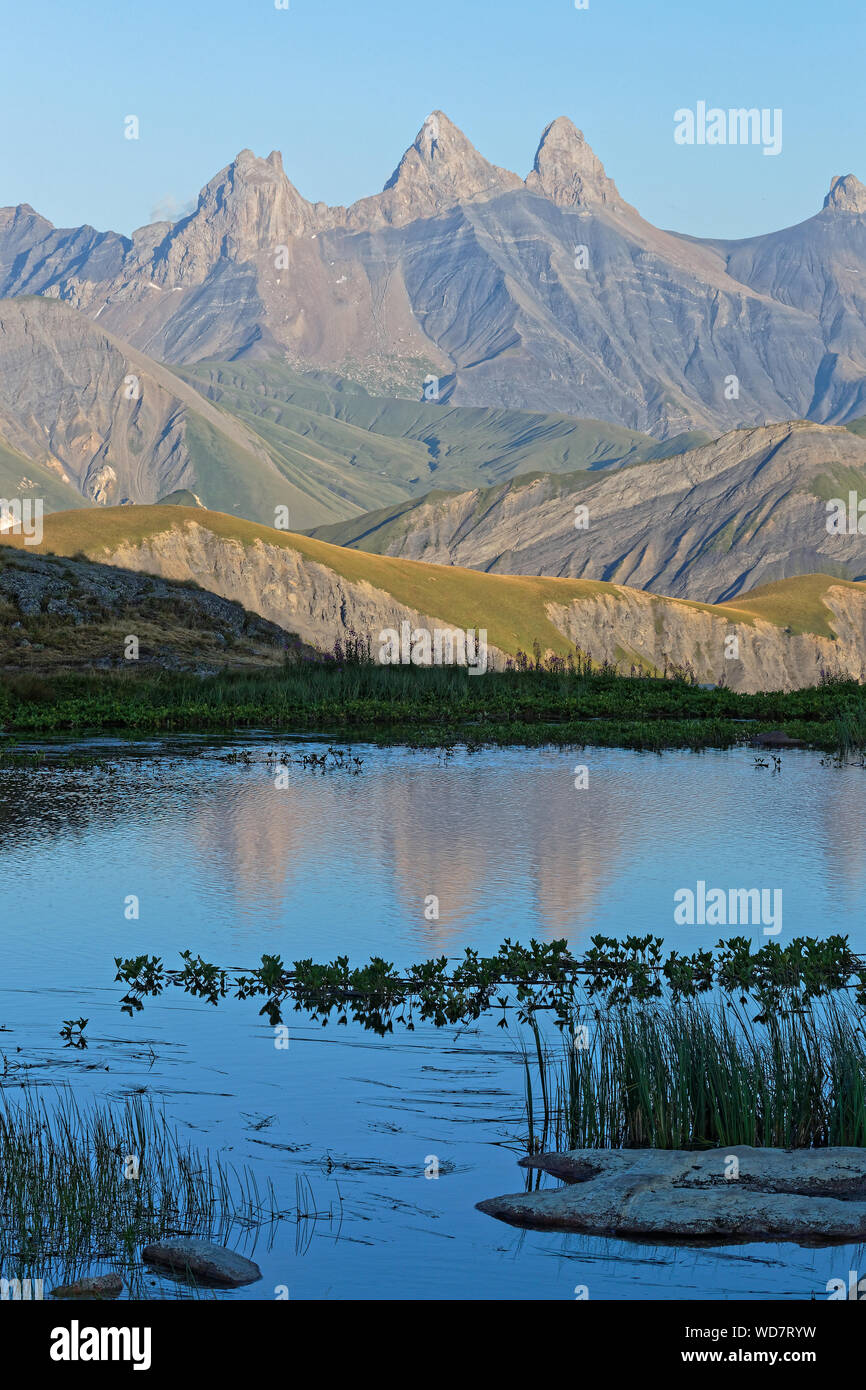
(698, 1074)
(79, 1184)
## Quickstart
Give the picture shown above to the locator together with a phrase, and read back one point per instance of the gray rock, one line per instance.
(809, 1195)
(203, 1260)
(100, 1286)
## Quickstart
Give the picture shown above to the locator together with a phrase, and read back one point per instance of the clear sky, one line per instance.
(341, 87)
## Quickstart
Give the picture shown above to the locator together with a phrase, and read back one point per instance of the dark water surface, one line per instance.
(228, 864)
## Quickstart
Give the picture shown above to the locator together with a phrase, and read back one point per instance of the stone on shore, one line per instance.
(203, 1260)
(737, 1193)
(100, 1286)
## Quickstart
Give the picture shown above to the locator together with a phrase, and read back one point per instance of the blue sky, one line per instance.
(341, 88)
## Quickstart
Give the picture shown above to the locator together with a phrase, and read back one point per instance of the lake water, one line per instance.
(230, 865)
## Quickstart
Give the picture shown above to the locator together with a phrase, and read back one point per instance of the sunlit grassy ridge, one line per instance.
(513, 608)
(797, 604)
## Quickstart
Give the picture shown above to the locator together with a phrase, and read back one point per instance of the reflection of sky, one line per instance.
(226, 864)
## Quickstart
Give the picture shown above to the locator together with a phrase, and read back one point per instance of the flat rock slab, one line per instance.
(100, 1286)
(203, 1260)
(811, 1195)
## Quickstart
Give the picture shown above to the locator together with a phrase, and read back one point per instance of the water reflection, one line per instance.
(228, 863)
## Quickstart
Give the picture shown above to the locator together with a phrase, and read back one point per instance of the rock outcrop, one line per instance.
(76, 614)
(203, 1260)
(808, 1195)
(96, 1287)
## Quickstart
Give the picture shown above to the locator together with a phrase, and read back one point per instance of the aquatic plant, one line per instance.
(80, 1184)
(700, 1074)
(542, 976)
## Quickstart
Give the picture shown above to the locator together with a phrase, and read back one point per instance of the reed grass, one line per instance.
(553, 703)
(66, 1200)
(697, 1074)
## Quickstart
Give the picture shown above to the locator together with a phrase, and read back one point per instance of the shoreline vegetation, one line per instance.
(542, 977)
(728, 1045)
(536, 702)
(67, 1205)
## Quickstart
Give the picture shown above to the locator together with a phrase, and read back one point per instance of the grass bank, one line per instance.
(435, 706)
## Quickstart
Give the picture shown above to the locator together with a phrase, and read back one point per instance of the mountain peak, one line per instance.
(440, 168)
(248, 207)
(567, 170)
(847, 194)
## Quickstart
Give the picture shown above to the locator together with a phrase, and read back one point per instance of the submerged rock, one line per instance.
(100, 1286)
(738, 1193)
(203, 1260)
(775, 738)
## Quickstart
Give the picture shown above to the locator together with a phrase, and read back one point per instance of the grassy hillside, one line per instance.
(417, 445)
(511, 608)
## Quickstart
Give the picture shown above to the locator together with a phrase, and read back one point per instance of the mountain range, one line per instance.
(745, 510)
(86, 418)
(519, 382)
(549, 294)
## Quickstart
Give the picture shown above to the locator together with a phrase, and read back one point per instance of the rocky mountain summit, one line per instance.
(847, 194)
(570, 174)
(549, 293)
(440, 170)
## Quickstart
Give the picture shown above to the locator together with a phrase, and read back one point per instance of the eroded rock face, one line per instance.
(281, 585)
(810, 1195)
(625, 626)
